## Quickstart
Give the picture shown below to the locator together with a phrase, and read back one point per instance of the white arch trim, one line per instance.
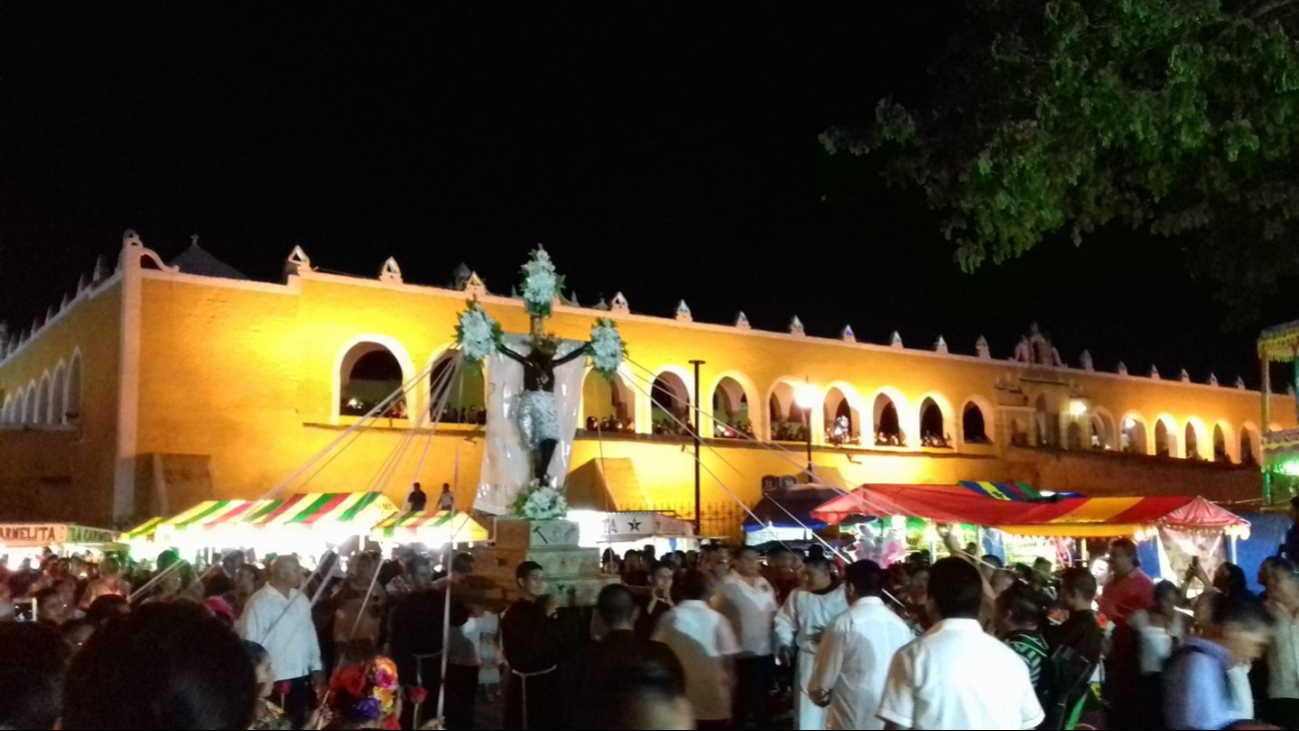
(795, 384)
(944, 406)
(988, 412)
(865, 414)
(908, 416)
(1251, 431)
(1113, 428)
(630, 383)
(1176, 439)
(1203, 439)
(75, 385)
(41, 414)
(1147, 429)
(59, 394)
(414, 401)
(1230, 440)
(759, 412)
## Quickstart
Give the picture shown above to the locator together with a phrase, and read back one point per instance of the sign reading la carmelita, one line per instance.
(45, 534)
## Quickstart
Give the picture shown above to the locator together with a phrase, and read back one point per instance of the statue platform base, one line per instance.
(572, 572)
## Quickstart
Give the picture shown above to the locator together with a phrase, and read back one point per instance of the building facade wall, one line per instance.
(244, 378)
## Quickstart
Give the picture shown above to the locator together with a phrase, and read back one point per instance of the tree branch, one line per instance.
(1269, 8)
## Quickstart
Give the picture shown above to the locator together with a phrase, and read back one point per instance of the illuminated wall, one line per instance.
(246, 376)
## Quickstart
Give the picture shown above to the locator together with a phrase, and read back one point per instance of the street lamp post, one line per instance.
(698, 406)
(806, 396)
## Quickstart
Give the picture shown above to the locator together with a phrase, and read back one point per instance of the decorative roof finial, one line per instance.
(742, 321)
(83, 282)
(297, 263)
(683, 312)
(940, 346)
(1240, 383)
(796, 327)
(101, 270)
(193, 240)
(848, 335)
(1123, 369)
(390, 272)
(131, 238)
(619, 306)
(896, 340)
(63, 304)
(475, 286)
(981, 347)
(1213, 379)
(1184, 376)
(1086, 361)
(1154, 373)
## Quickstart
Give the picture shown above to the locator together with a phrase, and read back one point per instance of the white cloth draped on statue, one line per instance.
(507, 462)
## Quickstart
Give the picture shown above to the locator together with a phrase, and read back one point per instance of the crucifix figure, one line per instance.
(538, 419)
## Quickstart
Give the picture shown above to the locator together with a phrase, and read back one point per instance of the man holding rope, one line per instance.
(278, 617)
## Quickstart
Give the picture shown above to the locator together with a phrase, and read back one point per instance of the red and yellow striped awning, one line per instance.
(430, 527)
(1070, 517)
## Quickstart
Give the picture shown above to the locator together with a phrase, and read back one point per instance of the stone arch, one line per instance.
(29, 403)
(1166, 441)
(976, 421)
(1046, 422)
(462, 397)
(73, 398)
(1135, 437)
(58, 394)
(347, 389)
(610, 401)
(1104, 433)
(41, 412)
(1251, 444)
(937, 421)
(842, 400)
(785, 419)
(1224, 444)
(1198, 443)
(7, 410)
(893, 423)
(671, 399)
(732, 409)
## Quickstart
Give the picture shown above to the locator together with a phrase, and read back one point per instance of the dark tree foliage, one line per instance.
(1052, 119)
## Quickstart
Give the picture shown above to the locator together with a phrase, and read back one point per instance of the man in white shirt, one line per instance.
(955, 675)
(799, 626)
(278, 617)
(703, 641)
(749, 602)
(853, 660)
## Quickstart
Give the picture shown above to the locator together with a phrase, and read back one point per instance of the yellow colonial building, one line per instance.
(159, 385)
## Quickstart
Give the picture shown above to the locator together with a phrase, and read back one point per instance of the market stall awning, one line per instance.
(1070, 517)
(307, 509)
(791, 508)
(208, 514)
(141, 532)
(430, 527)
(1020, 492)
(1119, 516)
(940, 503)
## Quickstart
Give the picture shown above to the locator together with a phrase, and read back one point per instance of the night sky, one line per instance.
(667, 158)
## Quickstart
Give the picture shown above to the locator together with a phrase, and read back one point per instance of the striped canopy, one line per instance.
(430, 527)
(315, 507)
(1070, 517)
(141, 532)
(208, 514)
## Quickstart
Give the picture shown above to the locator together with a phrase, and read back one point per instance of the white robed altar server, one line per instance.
(800, 624)
(852, 663)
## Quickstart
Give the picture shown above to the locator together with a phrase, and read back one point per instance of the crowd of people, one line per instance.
(715, 638)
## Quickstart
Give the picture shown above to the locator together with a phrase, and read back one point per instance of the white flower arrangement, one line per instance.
(539, 501)
(606, 349)
(478, 334)
(541, 285)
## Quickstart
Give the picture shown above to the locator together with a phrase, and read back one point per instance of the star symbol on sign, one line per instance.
(633, 526)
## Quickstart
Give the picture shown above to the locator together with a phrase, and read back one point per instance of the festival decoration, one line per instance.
(606, 348)
(541, 284)
(478, 334)
(540, 501)
(365, 693)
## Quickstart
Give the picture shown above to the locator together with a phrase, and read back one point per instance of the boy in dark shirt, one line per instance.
(1076, 648)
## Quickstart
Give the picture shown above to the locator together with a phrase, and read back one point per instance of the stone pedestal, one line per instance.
(572, 572)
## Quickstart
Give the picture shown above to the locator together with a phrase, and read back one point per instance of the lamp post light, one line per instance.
(806, 396)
